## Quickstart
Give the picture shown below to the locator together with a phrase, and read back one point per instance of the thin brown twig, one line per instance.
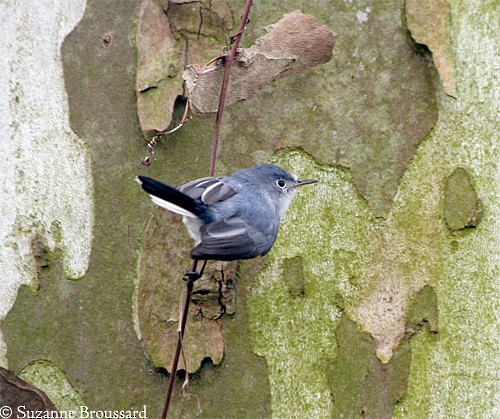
(146, 161)
(225, 82)
(219, 57)
(180, 335)
(193, 275)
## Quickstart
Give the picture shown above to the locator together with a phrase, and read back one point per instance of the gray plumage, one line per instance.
(230, 217)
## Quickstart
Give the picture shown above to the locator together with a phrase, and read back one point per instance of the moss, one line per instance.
(49, 378)
(343, 252)
(297, 336)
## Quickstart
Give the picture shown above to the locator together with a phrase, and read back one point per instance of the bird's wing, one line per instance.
(208, 189)
(232, 239)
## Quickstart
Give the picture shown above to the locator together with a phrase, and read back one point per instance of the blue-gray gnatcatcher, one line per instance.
(233, 217)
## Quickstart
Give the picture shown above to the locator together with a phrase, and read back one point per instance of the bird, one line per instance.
(230, 217)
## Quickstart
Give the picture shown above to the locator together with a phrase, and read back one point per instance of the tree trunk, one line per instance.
(380, 296)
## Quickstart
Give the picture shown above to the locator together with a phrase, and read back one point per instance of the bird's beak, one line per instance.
(304, 182)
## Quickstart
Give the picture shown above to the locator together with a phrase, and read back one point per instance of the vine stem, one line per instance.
(225, 83)
(180, 331)
(193, 275)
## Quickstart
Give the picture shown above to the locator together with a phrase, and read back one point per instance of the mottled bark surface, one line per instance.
(381, 295)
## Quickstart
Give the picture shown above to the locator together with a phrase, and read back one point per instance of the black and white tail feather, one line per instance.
(169, 198)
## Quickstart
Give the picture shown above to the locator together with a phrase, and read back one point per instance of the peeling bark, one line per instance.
(158, 297)
(17, 393)
(428, 23)
(159, 64)
(294, 43)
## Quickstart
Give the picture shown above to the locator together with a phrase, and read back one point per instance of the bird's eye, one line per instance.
(281, 183)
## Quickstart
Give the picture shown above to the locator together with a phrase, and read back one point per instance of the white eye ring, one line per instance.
(281, 183)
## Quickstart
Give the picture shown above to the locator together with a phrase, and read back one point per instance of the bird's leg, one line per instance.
(193, 274)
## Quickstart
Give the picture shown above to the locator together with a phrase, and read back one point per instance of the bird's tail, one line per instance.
(169, 198)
